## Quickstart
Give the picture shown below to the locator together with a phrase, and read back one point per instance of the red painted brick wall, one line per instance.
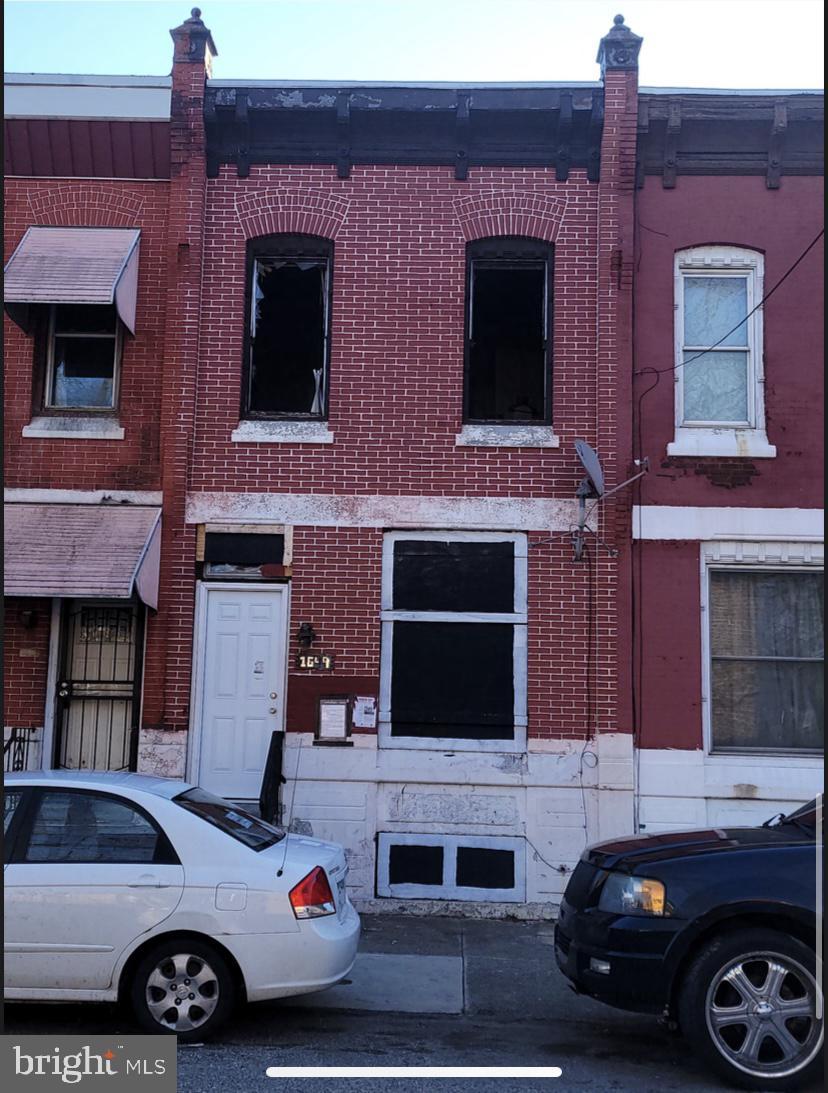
(781, 223)
(131, 463)
(25, 662)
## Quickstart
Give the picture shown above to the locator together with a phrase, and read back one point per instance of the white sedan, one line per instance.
(154, 892)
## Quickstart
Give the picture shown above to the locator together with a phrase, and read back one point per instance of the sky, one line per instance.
(687, 43)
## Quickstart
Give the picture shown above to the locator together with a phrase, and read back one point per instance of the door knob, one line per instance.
(273, 694)
(273, 709)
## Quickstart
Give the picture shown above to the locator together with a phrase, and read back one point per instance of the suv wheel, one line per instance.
(749, 1005)
(182, 986)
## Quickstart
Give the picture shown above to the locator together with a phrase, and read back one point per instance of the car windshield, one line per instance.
(241, 825)
(805, 817)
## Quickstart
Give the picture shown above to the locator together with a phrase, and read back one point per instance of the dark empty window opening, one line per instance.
(411, 864)
(509, 286)
(288, 334)
(479, 867)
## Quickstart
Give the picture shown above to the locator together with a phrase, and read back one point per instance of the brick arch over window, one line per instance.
(535, 216)
(86, 206)
(291, 211)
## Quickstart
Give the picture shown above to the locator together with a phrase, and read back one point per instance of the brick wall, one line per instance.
(25, 662)
(131, 463)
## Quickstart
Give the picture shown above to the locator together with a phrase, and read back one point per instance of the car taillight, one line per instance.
(312, 897)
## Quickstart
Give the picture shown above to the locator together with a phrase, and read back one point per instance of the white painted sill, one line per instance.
(744, 443)
(282, 432)
(74, 427)
(507, 436)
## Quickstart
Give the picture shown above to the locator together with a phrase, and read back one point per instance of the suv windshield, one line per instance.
(804, 817)
(241, 825)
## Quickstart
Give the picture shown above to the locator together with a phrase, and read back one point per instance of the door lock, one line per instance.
(273, 694)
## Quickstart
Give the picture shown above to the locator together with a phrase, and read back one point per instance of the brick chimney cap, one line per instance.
(619, 47)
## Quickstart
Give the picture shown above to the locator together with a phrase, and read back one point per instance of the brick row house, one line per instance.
(294, 379)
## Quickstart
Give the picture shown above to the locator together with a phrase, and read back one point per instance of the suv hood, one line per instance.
(631, 852)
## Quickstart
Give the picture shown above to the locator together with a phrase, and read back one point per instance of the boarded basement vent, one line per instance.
(461, 867)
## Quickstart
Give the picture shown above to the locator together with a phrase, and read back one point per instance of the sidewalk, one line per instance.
(459, 966)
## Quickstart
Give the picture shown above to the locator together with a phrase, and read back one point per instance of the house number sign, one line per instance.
(315, 662)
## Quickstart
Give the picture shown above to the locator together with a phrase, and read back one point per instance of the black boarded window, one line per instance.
(412, 864)
(456, 647)
(454, 576)
(508, 331)
(469, 671)
(288, 333)
(480, 867)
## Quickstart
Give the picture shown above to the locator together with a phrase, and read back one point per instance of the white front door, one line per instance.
(242, 682)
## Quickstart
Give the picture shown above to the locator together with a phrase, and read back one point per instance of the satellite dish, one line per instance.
(592, 466)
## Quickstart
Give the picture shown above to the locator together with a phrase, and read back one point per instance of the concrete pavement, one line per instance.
(426, 992)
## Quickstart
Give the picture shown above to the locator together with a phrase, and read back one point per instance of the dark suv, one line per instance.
(715, 930)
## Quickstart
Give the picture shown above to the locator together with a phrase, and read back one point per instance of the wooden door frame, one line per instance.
(203, 591)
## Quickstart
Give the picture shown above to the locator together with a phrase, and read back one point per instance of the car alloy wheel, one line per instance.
(761, 1013)
(182, 992)
(183, 986)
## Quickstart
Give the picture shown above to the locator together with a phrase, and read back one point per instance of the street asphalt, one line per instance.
(425, 992)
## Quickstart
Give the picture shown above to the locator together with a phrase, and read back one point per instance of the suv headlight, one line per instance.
(627, 895)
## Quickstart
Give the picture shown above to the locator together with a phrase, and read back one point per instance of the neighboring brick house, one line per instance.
(728, 569)
(372, 321)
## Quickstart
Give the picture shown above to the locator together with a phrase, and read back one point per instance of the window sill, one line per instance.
(744, 443)
(507, 436)
(74, 427)
(282, 432)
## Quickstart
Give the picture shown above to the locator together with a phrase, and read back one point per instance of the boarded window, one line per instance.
(456, 866)
(766, 648)
(240, 549)
(454, 656)
(508, 331)
(482, 867)
(454, 576)
(288, 335)
(415, 864)
(469, 669)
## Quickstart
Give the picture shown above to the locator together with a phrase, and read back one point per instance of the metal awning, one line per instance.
(66, 551)
(73, 266)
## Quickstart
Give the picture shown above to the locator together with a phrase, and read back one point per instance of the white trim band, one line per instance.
(708, 522)
(384, 511)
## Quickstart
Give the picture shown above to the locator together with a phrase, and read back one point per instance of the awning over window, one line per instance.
(102, 551)
(73, 266)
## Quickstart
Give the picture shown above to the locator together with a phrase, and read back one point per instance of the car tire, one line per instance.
(182, 986)
(748, 1005)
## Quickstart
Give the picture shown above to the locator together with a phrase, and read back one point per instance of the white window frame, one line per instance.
(518, 618)
(746, 438)
(117, 345)
(449, 889)
(755, 557)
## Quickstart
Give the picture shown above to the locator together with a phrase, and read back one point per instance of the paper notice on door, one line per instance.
(365, 712)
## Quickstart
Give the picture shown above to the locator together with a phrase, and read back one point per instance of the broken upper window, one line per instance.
(508, 340)
(84, 347)
(288, 335)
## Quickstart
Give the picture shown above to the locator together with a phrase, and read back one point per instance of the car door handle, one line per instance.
(148, 880)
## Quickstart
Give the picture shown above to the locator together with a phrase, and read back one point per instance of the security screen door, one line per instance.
(98, 693)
